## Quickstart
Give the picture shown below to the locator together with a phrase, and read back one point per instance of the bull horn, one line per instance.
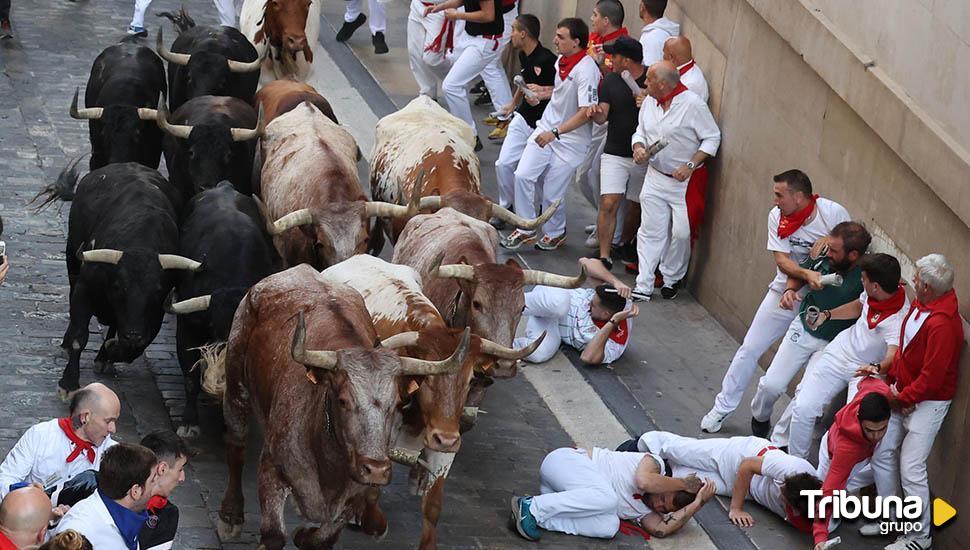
(102, 255)
(533, 277)
(291, 220)
(501, 352)
(421, 367)
(174, 261)
(88, 113)
(144, 113)
(452, 271)
(402, 340)
(379, 209)
(430, 203)
(167, 55)
(512, 218)
(192, 305)
(177, 130)
(326, 360)
(247, 66)
(246, 134)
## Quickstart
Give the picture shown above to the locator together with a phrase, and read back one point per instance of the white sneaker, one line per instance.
(870, 529)
(911, 542)
(593, 241)
(711, 423)
(590, 228)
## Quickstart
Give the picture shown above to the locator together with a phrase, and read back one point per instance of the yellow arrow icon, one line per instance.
(942, 512)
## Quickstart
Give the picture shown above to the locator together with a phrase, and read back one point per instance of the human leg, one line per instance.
(577, 499)
(797, 347)
(466, 68)
(532, 165)
(508, 158)
(822, 381)
(654, 229)
(676, 258)
(559, 174)
(138, 17)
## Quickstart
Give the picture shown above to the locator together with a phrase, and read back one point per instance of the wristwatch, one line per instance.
(555, 132)
(691, 165)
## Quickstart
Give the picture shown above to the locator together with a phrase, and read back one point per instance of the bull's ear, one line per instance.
(512, 263)
(463, 260)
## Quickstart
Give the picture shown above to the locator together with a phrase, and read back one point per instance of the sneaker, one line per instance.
(551, 243)
(479, 88)
(516, 239)
(911, 542)
(590, 228)
(140, 32)
(492, 120)
(478, 144)
(669, 292)
(870, 529)
(348, 28)
(593, 240)
(761, 429)
(639, 295)
(5, 30)
(500, 131)
(380, 45)
(484, 99)
(498, 224)
(711, 423)
(607, 263)
(525, 522)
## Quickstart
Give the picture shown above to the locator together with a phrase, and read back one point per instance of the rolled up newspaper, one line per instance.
(832, 279)
(831, 543)
(520, 84)
(631, 82)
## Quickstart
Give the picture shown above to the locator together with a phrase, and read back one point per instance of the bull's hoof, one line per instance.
(65, 395)
(104, 367)
(228, 531)
(188, 431)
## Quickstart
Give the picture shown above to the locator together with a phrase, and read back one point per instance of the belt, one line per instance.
(766, 449)
(494, 37)
(662, 172)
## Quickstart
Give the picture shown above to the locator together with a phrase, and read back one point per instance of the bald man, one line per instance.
(24, 514)
(53, 452)
(678, 117)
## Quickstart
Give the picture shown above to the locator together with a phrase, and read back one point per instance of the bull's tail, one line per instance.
(181, 20)
(63, 188)
(212, 361)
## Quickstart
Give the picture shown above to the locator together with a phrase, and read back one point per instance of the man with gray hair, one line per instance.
(923, 381)
(675, 135)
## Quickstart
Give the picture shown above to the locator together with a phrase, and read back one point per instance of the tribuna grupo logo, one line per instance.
(895, 514)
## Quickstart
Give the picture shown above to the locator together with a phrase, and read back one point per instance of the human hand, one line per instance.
(814, 280)
(741, 518)
(430, 9)
(506, 109)
(640, 155)
(4, 268)
(593, 110)
(640, 98)
(545, 138)
(626, 313)
(789, 299)
(707, 491)
(823, 316)
(682, 173)
(820, 248)
(692, 483)
(820, 546)
(451, 14)
(623, 290)
(867, 370)
(598, 54)
(58, 511)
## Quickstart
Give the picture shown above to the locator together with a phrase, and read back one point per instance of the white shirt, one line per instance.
(860, 345)
(694, 80)
(915, 323)
(620, 468)
(827, 215)
(40, 456)
(580, 89)
(776, 466)
(91, 518)
(688, 126)
(653, 36)
(577, 329)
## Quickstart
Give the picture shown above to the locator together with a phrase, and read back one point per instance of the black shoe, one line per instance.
(5, 30)
(484, 99)
(347, 30)
(478, 144)
(760, 429)
(628, 252)
(498, 224)
(479, 88)
(607, 263)
(380, 45)
(669, 292)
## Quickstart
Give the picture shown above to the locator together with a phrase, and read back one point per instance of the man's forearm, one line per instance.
(595, 350)
(699, 157)
(674, 522)
(659, 483)
(845, 312)
(575, 121)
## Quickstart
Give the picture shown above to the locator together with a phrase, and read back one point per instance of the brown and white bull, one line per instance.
(422, 138)
(290, 29)
(429, 422)
(281, 96)
(326, 414)
(309, 181)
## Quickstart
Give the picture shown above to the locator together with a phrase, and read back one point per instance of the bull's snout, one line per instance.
(295, 43)
(374, 472)
(444, 441)
(126, 347)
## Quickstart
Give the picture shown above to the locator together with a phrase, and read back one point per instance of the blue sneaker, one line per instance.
(525, 523)
(137, 31)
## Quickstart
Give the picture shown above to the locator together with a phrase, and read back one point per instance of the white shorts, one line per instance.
(621, 176)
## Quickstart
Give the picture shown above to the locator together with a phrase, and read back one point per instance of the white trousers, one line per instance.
(913, 436)
(617, 174)
(508, 158)
(576, 498)
(377, 19)
(663, 227)
(717, 458)
(226, 9)
(475, 55)
(588, 173)
(544, 306)
(428, 67)
(769, 324)
(796, 350)
(823, 380)
(556, 172)
(861, 475)
(494, 76)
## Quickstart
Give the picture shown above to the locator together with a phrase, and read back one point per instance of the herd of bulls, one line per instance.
(345, 368)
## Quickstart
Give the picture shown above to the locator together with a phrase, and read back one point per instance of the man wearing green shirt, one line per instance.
(846, 243)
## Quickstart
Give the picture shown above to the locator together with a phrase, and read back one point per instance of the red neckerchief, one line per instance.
(6, 544)
(445, 38)
(567, 62)
(80, 445)
(790, 223)
(620, 335)
(799, 522)
(596, 39)
(880, 310)
(630, 528)
(669, 97)
(688, 66)
(155, 504)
